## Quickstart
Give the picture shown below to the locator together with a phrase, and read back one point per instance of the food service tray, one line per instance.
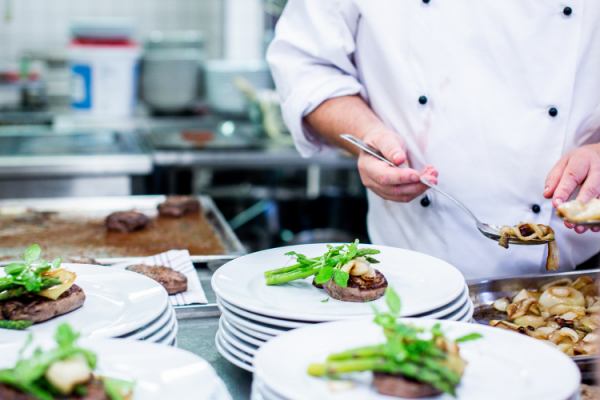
(484, 293)
(100, 207)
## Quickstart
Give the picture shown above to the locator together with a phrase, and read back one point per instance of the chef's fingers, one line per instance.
(590, 189)
(392, 147)
(569, 225)
(574, 174)
(595, 228)
(384, 174)
(554, 176)
(581, 229)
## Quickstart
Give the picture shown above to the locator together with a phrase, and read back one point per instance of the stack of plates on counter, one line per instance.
(496, 366)
(159, 372)
(118, 304)
(254, 313)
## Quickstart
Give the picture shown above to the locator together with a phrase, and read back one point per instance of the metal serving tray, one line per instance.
(92, 207)
(484, 293)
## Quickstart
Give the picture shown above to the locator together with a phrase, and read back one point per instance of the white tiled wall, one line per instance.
(43, 24)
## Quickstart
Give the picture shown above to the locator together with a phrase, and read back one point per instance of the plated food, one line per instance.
(35, 291)
(577, 212)
(173, 281)
(344, 272)
(64, 372)
(412, 363)
(562, 313)
(527, 231)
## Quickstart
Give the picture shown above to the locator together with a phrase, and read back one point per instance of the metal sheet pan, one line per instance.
(102, 206)
(484, 293)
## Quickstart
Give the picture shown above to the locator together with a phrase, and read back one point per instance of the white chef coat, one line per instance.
(490, 72)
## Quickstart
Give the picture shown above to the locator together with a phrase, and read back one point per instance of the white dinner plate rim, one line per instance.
(169, 337)
(458, 314)
(163, 331)
(231, 357)
(263, 319)
(158, 323)
(288, 393)
(249, 331)
(240, 334)
(235, 341)
(244, 321)
(456, 304)
(234, 350)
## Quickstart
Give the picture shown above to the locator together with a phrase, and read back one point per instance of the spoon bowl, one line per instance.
(488, 230)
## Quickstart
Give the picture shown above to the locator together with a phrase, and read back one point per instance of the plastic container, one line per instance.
(104, 77)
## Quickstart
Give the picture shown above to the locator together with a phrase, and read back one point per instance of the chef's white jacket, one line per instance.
(508, 86)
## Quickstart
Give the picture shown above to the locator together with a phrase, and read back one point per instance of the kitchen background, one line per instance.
(194, 112)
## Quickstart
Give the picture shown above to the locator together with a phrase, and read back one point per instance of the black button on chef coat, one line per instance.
(553, 112)
(425, 201)
(422, 99)
(536, 208)
(567, 11)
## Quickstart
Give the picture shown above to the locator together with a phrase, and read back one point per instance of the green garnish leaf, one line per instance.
(65, 337)
(436, 331)
(341, 277)
(466, 338)
(325, 301)
(393, 301)
(15, 268)
(32, 254)
(56, 262)
(324, 275)
(117, 389)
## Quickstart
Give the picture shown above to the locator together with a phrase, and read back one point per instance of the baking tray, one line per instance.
(484, 293)
(100, 207)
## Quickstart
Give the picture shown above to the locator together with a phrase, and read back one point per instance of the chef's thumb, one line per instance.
(392, 147)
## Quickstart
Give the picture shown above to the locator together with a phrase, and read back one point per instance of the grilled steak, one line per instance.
(38, 309)
(173, 281)
(178, 206)
(126, 221)
(317, 285)
(399, 386)
(95, 391)
(358, 290)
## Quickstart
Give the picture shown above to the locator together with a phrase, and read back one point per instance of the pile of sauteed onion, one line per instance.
(563, 313)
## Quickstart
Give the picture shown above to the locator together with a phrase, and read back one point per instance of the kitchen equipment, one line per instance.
(496, 366)
(222, 95)
(484, 293)
(490, 231)
(171, 75)
(104, 65)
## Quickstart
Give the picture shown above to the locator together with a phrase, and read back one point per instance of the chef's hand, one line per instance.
(401, 185)
(578, 167)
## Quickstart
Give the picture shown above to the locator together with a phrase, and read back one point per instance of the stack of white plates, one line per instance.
(159, 372)
(118, 304)
(496, 369)
(254, 313)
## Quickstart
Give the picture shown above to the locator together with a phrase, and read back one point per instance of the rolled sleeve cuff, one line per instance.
(304, 100)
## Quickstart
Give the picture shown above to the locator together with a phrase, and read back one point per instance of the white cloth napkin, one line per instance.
(178, 260)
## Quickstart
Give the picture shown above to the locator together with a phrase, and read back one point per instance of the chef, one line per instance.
(497, 101)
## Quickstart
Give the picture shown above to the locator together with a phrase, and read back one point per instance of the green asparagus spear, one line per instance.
(18, 325)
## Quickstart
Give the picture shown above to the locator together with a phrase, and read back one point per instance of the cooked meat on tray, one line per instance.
(178, 206)
(345, 272)
(529, 231)
(563, 313)
(576, 211)
(35, 291)
(63, 373)
(409, 365)
(126, 221)
(173, 281)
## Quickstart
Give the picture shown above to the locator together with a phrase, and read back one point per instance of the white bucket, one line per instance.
(104, 79)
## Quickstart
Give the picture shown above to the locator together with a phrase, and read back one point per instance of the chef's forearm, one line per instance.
(346, 114)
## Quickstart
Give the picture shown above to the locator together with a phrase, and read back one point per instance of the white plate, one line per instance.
(239, 334)
(423, 282)
(449, 309)
(458, 314)
(117, 302)
(230, 357)
(152, 327)
(497, 366)
(233, 350)
(264, 391)
(248, 331)
(160, 372)
(256, 326)
(172, 335)
(235, 341)
(286, 323)
(164, 330)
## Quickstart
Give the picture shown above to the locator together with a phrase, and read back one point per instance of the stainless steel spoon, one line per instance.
(491, 231)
